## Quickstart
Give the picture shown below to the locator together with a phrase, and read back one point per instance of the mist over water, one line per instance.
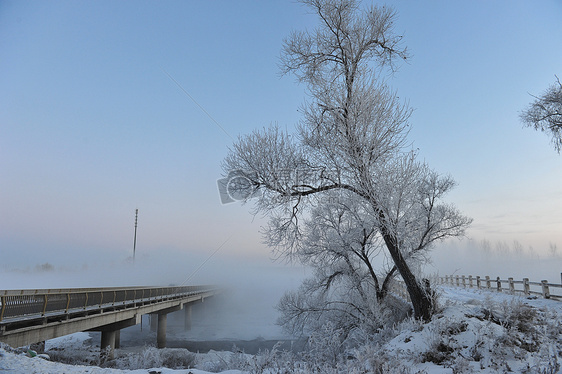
(496, 259)
(245, 310)
(254, 284)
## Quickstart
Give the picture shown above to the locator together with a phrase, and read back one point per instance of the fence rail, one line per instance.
(525, 286)
(23, 304)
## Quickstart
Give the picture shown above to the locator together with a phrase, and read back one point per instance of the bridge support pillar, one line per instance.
(111, 336)
(153, 322)
(118, 339)
(107, 346)
(187, 321)
(161, 333)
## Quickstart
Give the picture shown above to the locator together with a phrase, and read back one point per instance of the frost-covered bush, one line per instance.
(274, 361)
(373, 358)
(215, 362)
(152, 357)
(78, 354)
(440, 340)
(461, 365)
(148, 357)
(514, 315)
(6, 347)
(326, 345)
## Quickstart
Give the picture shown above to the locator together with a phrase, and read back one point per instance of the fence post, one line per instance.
(526, 287)
(470, 281)
(44, 305)
(457, 280)
(545, 291)
(488, 285)
(3, 301)
(499, 284)
(478, 281)
(463, 281)
(511, 285)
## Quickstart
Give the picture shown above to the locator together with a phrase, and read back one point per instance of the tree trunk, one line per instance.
(386, 282)
(421, 300)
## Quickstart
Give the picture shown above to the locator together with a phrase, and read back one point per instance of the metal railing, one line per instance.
(24, 304)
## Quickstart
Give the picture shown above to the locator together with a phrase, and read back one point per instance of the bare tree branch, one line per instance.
(545, 114)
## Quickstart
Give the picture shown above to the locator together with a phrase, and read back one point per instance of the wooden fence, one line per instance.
(509, 285)
(522, 287)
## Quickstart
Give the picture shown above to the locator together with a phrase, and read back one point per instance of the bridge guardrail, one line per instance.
(23, 304)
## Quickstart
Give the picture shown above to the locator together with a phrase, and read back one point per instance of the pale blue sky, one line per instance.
(92, 127)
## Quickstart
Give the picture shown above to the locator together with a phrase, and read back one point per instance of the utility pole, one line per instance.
(135, 242)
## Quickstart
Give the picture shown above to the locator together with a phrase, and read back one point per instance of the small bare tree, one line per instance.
(545, 114)
(351, 143)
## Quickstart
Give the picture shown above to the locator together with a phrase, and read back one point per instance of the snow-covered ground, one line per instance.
(484, 332)
(474, 332)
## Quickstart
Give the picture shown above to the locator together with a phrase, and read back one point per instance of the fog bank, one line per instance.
(496, 259)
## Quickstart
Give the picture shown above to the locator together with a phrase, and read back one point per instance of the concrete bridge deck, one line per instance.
(33, 316)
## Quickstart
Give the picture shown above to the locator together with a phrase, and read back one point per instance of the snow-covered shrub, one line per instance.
(78, 354)
(149, 357)
(326, 345)
(152, 357)
(462, 366)
(373, 358)
(274, 361)
(513, 315)
(238, 358)
(441, 343)
(476, 350)
(178, 359)
(547, 360)
(6, 347)
(214, 362)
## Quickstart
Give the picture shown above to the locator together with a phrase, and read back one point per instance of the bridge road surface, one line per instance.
(33, 316)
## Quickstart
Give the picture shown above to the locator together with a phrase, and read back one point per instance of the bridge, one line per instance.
(33, 316)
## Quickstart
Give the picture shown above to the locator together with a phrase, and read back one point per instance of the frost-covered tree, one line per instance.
(545, 114)
(350, 145)
(353, 272)
(352, 275)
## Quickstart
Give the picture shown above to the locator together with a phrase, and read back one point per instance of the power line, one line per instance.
(204, 262)
(196, 103)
